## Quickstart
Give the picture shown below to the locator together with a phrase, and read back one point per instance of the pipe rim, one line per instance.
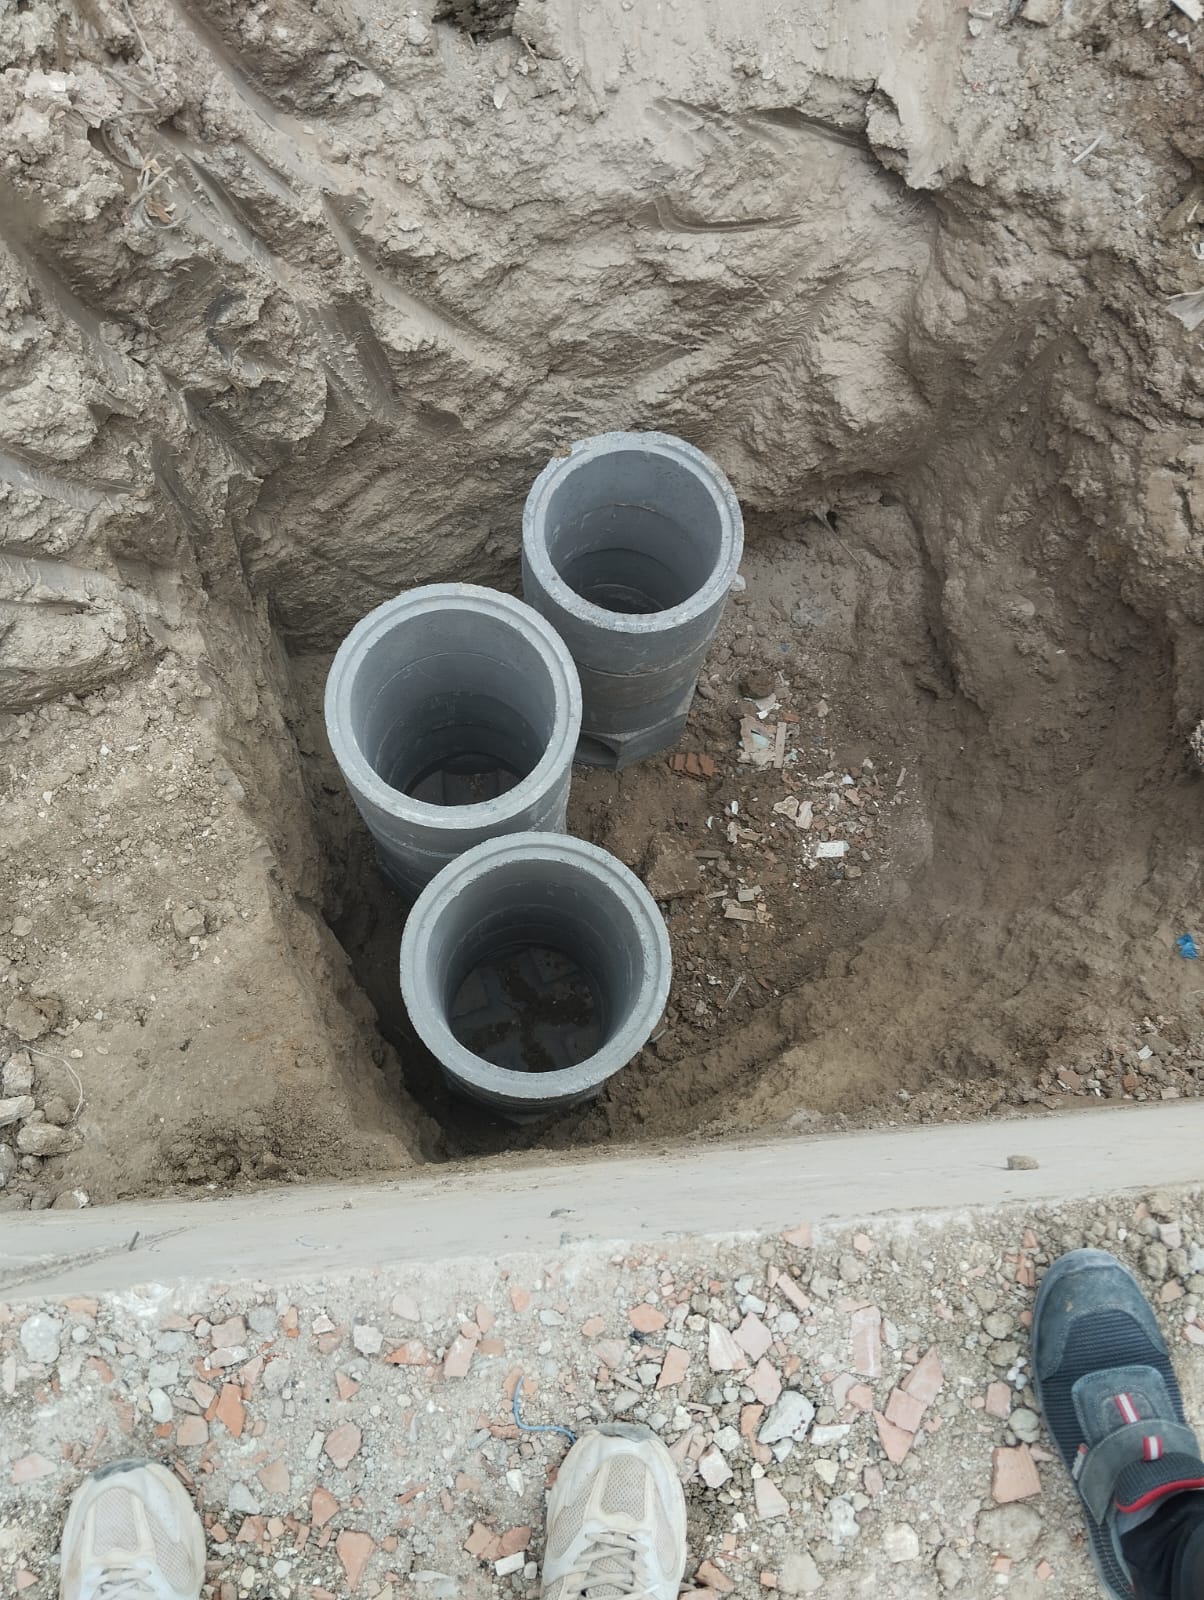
(453, 819)
(687, 455)
(535, 1087)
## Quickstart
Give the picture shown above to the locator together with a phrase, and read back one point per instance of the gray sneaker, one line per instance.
(132, 1533)
(616, 1520)
(1111, 1400)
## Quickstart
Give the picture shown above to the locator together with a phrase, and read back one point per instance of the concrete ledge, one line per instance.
(646, 1196)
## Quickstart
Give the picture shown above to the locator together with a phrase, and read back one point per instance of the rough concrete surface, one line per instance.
(295, 302)
(850, 1407)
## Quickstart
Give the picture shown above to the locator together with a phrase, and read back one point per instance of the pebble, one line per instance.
(367, 1340)
(44, 1139)
(798, 1574)
(1020, 1164)
(1010, 1530)
(713, 1468)
(41, 1338)
(949, 1567)
(901, 1542)
(17, 1075)
(789, 1418)
(15, 1109)
(1025, 1424)
(160, 1405)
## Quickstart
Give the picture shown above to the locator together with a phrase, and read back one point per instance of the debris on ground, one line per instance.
(842, 1405)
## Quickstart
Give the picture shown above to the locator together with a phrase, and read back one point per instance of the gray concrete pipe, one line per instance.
(533, 968)
(630, 546)
(453, 713)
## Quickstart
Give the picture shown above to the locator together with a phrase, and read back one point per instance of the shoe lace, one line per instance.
(122, 1583)
(611, 1567)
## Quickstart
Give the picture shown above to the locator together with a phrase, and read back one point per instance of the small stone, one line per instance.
(44, 1139)
(769, 1500)
(826, 1471)
(999, 1399)
(342, 1444)
(160, 1405)
(723, 1353)
(712, 1577)
(713, 1468)
(274, 1477)
(1026, 1425)
(674, 1368)
(10, 1164)
(353, 1551)
(188, 922)
(901, 1542)
(1014, 1475)
(1023, 1163)
(322, 1506)
(459, 1357)
(766, 1383)
(998, 1325)
(57, 1110)
(229, 1334)
(17, 1075)
(949, 1567)
(867, 1342)
(26, 1020)
(798, 1574)
(1154, 1261)
(41, 1338)
(1010, 1530)
(645, 1318)
(16, 1109)
(789, 1418)
(753, 1337)
(367, 1340)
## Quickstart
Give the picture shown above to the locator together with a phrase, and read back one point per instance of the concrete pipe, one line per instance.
(630, 546)
(533, 968)
(453, 713)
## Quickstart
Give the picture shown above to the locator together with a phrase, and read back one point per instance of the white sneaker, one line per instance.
(132, 1533)
(616, 1520)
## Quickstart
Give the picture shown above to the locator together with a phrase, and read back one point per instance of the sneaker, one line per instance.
(616, 1520)
(1110, 1399)
(132, 1533)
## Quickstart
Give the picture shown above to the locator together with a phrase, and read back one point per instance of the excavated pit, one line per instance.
(297, 301)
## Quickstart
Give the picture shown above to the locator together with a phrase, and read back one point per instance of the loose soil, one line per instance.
(295, 303)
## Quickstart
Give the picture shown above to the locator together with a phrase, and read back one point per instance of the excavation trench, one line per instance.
(295, 317)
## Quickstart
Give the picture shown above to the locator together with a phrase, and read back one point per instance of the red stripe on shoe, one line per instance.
(1161, 1492)
(1152, 1449)
(1124, 1404)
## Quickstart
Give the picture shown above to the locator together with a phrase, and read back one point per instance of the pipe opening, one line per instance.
(535, 958)
(633, 532)
(452, 722)
(528, 1006)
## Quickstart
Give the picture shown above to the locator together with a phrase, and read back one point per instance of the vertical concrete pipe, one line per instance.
(630, 546)
(453, 713)
(534, 967)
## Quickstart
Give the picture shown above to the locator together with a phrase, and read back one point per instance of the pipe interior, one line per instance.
(633, 532)
(453, 707)
(537, 965)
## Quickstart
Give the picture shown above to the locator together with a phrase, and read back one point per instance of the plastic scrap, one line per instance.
(1187, 947)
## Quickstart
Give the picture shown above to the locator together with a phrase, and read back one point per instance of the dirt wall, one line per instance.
(296, 300)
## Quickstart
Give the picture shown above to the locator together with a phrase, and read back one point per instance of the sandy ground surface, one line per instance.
(354, 1435)
(295, 302)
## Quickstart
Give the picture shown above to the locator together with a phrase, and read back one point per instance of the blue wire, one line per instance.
(546, 1427)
